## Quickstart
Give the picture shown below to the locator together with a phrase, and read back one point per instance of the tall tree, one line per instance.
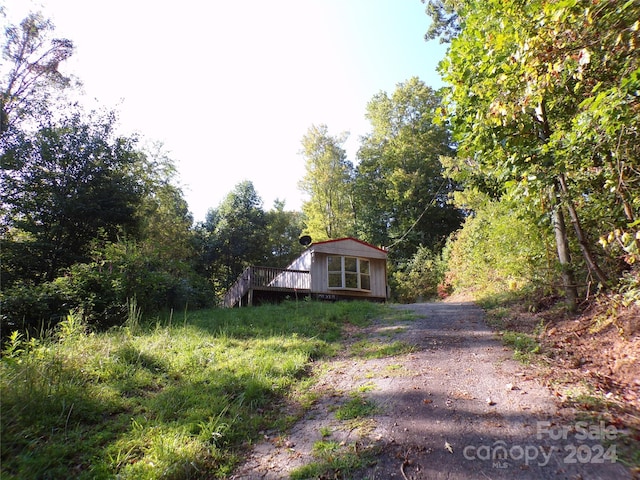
(164, 219)
(402, 195)
(64, 186)
(237, 235)
(284, 228)
(30, 68)
(329, 211)
(530, 82)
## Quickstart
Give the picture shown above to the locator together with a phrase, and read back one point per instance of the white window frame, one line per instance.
(343, 273)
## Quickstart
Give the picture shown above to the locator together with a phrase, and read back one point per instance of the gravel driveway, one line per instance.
(456, 407)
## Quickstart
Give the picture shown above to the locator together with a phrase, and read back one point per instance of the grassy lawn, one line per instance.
(171, 398)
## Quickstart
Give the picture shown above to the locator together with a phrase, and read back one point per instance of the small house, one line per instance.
(343, 268)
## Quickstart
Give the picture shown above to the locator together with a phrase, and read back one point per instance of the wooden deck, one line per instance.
(265, 283)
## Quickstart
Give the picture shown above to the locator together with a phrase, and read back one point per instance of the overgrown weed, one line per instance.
(370, 349)
(335, 461)
(524, 346)
(161, 398)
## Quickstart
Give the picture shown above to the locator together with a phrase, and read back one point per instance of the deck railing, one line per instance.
(266, 278)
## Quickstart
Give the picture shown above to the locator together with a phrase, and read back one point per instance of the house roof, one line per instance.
(335, 240)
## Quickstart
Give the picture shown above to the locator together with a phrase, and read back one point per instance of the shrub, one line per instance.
(419, 277)
(499, 248)
(101, 291)
(32, 308)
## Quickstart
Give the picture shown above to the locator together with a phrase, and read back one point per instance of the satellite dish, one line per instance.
(305, 240)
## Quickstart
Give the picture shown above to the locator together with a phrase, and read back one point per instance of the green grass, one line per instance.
(499, 314)
(524, 346)
(168, 399)
(356, 407)
(370, 349)
(335, 461)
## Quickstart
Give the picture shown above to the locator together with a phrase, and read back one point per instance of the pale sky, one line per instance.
(230, 87)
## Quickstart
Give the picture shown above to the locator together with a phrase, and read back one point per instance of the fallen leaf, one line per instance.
(448, 447)
(427, 401)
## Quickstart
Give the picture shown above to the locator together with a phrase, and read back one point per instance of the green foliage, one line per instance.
(91, 222)
(328, 182)
(16, 345)
(95, 290)
(421, 277)
(30, 308)
(335, 461)
(101, 290)
(178, 401)
(30, 70)
(543, 100)
(325, 449)
(616, 307)
(88, 220)
(284, 229)
(234, 236)
(624, 243)
(378, 349)
(71, 173)
(524, 345)
(445, 21)
(401, 192)
(72, 327)
(240, 233)
(500, 248)
(134, 317)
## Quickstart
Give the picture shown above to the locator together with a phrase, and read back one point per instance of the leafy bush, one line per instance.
(32, 308)
(419, 277)
(500, 248)
(101, 290)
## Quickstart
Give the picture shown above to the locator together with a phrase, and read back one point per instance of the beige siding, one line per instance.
(303, 262)
(320, 279)
(349, 248)
(309, 273)
(379, 278)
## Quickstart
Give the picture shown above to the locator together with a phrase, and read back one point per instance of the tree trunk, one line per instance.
(564, 256)
(592, 263)
(557, 220)
(622, 191)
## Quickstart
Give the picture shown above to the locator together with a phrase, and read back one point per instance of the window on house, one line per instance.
(349, 273)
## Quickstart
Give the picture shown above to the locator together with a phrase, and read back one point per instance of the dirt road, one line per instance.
(456, 407)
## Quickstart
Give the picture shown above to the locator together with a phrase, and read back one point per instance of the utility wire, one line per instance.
(433, 200)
